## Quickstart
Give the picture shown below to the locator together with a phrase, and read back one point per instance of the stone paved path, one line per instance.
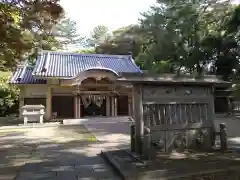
(51, 153)
(114, 131)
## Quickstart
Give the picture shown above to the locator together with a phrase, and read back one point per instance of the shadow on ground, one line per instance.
(63, 152)
(10, 120)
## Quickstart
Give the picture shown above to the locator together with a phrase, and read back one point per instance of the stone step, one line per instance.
(125, 164)
(175, 166)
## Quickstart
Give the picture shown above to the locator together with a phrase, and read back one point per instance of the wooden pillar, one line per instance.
(138, 116)
(77, 107)
(129, 106)
(115, 106)
(112, 106)
(108, 106)
(48, 104)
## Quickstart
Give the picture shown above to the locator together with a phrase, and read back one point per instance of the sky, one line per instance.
(112, 13)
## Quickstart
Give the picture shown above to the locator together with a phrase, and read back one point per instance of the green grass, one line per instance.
(90, 136)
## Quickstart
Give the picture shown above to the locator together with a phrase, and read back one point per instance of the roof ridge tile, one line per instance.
(121, 56)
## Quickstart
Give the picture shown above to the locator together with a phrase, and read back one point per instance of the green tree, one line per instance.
(124, 40)
(67, 35)
(8, 94)
(99, 34)
(189, 35)
(87, 51)
(25, 26)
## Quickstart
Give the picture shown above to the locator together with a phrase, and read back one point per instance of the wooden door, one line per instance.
(122, 106)
(63, 106)
(35, 101)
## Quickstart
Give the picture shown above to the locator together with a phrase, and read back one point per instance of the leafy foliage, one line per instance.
(66, 33)
(25, 26)
(87, 51)
(124, 40)
(99, 34)
(194, 37)
(8, 94)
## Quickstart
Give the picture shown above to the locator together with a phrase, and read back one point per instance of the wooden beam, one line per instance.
(49, 103)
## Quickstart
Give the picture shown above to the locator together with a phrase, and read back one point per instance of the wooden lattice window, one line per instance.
(157, 114)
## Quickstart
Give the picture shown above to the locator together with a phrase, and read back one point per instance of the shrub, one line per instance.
(9, 95)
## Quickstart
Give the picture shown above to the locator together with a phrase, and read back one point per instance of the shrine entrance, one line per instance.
(97, 94)
(93, 105)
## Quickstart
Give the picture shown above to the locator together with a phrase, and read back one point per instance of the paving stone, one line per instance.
(8, 173)
(49, 157)
(66, 175)
(85, 171)
(65, 168)
(109, 178)
(87, 178)
(29, 168)
(102, 171)
(7, 176)
(36, 176)
(47, 169)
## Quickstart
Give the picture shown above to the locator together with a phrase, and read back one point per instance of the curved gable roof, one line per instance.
(67, 65)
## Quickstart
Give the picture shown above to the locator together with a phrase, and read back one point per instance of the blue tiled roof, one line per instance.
(23, 75)
(65, 65)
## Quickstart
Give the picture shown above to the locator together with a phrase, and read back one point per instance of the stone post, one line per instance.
(132, 133)
(211, 116)
(138, 117)
(223, 137)
(147, 143)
